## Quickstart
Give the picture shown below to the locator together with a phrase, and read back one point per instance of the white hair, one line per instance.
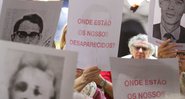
(141, 37)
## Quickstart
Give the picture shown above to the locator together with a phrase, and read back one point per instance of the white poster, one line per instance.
(45, 73)
(29, 22)
(167, 20)
(144, 79)
(93, 31)
(1, 1)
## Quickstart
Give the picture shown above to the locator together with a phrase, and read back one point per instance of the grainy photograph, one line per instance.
(168, 20)
(28, 29)
(23, 27)
(29, 22)
(30, 75)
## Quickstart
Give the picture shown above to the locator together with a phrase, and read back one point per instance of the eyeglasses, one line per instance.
(141, 47)
(23, 34)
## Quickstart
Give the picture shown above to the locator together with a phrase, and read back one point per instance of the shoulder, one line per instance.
(156, 31)
(152, 57)
(156, 25)
(106, 75)
(130, 56)
(182, 35)
(127, 56)
(182, 28)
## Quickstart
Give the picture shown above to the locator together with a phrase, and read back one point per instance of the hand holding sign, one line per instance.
(144, 79)
(89, 74)
(167, 49)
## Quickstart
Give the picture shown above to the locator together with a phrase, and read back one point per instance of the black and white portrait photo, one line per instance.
(28, 29)
(29, 22)
(32, 76)
(35, 72)
(168, 22)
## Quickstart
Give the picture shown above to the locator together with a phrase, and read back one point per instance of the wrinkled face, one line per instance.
(140, 50)
(172, 10)
(32, 83)
(27, 33)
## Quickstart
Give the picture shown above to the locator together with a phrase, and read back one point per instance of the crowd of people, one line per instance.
(91, 82)
(97, 84)
(94, 83)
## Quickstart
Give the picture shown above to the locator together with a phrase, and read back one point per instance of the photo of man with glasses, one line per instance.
(28, 30)
(170, 25)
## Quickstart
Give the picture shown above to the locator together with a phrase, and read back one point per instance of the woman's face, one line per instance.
(140, 50)
(32, 83)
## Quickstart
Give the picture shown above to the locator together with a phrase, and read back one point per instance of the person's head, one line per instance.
(140, 48)
(172, 11)
(32, 80)
(28, 29)
(127, 31)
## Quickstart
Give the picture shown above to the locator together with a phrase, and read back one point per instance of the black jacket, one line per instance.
(157, 33)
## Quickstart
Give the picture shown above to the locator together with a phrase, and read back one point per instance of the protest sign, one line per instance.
(93, 31)
(1, 5)
(144, 79)
(45, 73)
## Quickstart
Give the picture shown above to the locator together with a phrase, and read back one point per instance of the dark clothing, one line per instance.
(157, 33)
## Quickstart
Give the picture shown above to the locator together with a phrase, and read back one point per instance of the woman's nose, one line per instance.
(140, 50)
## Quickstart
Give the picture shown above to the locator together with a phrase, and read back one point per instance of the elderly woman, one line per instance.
(140, 48)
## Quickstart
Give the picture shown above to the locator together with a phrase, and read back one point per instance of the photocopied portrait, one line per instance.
(170, 25)
(29, 21)
(28, 29)
(35, 72)
(33, 76)
(32, 79)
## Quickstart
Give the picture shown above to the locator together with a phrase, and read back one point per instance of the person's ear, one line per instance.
(13, 36)
(40, 36)
(131, 50)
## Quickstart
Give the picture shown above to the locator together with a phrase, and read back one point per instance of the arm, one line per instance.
(107, 86)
